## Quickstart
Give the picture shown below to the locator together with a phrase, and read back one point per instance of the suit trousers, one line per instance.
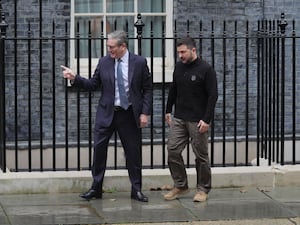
(179, 135)
(125, 125)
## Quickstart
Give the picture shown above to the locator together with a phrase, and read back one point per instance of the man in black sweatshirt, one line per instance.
(194, 94)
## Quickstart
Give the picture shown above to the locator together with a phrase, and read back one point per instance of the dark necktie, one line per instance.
(122, 92)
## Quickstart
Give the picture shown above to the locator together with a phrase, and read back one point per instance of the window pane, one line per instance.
(157, 34)
(122, 23)
(151, 6)
(88, 6)
(119, 6)
(94, 27)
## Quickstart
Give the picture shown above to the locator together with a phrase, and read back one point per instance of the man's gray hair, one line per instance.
(120, 36)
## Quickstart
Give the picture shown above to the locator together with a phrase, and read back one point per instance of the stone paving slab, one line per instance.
(3, 218)
(122, 208)
(225, 206)
(234, 204)
(48, 209)
(217, 210)
(232, 222)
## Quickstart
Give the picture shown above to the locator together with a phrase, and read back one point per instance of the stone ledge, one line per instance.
(117, 180)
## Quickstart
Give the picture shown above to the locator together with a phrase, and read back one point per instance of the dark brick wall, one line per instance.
(240, 11)
(42, 72)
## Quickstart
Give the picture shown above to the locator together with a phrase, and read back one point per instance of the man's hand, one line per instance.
(168, 118)
(203, 127)
(68, 73)
(143, 120)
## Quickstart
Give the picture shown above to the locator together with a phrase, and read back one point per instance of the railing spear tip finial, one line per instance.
(282, 23)
(139, 24)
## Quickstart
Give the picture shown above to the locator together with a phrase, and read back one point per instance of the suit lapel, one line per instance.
(112, 71)
(131, 66)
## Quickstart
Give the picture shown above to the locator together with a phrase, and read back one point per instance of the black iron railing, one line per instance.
(47, 125)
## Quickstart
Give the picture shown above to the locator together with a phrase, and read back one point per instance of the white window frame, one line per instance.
(157, 61)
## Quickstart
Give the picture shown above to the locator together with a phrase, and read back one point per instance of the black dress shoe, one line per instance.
(139, 196)
(90, 194)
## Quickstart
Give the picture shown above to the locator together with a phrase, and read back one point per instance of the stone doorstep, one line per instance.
(117, 180)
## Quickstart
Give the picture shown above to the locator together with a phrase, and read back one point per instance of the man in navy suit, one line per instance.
(112, 115)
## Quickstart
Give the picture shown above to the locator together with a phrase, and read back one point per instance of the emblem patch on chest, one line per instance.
(193, 77)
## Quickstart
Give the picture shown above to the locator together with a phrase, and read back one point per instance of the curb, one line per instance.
(117, 180)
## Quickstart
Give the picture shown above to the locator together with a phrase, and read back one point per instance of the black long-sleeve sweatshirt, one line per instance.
(194, 91)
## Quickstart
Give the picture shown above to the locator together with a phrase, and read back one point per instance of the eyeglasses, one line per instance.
(112, 46)
(115, 46)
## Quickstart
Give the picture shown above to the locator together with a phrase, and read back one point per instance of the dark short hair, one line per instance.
(120, 36)
(188, 41)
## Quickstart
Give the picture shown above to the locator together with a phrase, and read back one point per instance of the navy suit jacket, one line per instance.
(140, 88)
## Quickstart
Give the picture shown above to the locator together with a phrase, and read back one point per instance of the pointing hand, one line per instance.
(68, 73)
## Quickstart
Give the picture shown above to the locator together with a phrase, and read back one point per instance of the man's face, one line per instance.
(185, 54)
(114, 49)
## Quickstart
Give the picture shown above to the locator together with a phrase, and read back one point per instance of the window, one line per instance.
(97, 18)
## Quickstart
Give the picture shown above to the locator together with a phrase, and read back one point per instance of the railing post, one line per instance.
(139, 24)
(3, 26)
(282, 25)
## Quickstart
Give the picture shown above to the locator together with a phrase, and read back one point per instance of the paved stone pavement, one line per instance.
(226, 206)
